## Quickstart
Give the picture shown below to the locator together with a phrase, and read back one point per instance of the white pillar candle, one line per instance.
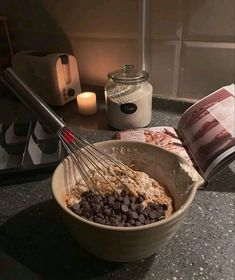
(87, 103)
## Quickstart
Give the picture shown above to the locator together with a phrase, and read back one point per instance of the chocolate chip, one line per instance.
(153, 214)
(132, 222)
(132, 198)
(87, 194)
(140, 199)
(112, 212)
(142, 218)
(134, 215)
(139, 208)
(151, 204)
(155, 206)
(100, 216)
(133, 206)
(84, 204)
(119, 217)
(124, 208)
(86, 214)
(86, 208)
(101, 203)
(147, 221)
(113, 220)
(137, 223)
(124, 217)
(116, 195)
(129, 214)
(164, 206)
(111, 200)
(107, 212)
(116, 205)
(98, 220)
(126, 200)
(146, 211)
(123, 193)
(96, 207)
(159, 213)
(78, 212)
(120, 199)
(76, 206)
(94, 199)
(99, 198)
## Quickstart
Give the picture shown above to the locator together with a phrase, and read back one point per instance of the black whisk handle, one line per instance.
(34, 103)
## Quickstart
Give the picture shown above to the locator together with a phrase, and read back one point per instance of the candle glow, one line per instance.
(87, 103)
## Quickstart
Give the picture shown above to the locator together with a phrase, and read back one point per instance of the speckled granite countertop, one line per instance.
(33, 235)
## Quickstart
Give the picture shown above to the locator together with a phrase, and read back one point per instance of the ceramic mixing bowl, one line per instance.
(124, 244)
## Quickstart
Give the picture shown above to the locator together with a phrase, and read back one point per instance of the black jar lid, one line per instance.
(128, 75)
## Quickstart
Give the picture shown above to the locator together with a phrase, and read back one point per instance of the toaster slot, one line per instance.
(66, 69)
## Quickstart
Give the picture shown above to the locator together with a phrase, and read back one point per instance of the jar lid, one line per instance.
(128, 75)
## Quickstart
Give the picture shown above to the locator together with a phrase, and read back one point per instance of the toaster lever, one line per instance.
(66, 68)
(64, 59)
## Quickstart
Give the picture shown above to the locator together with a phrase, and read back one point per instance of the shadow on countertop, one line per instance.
(223, 181)
(37, 239)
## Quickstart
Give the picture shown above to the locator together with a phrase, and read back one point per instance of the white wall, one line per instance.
(103, 34)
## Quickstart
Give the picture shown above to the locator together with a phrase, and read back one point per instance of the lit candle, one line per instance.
(87, 103)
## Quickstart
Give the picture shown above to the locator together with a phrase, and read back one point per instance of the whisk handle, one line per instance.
(48, 117)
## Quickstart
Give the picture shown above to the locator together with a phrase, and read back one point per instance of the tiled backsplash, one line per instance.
(192, 47)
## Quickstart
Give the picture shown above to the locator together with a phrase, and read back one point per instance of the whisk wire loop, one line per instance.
(81, 170)
(88, 159)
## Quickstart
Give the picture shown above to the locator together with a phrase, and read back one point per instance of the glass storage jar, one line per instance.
(128, 97)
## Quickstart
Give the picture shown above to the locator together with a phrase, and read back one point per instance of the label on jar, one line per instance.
(128, 108)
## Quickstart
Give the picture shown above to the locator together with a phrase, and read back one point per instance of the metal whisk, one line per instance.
(86, 157)
(90, 160)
